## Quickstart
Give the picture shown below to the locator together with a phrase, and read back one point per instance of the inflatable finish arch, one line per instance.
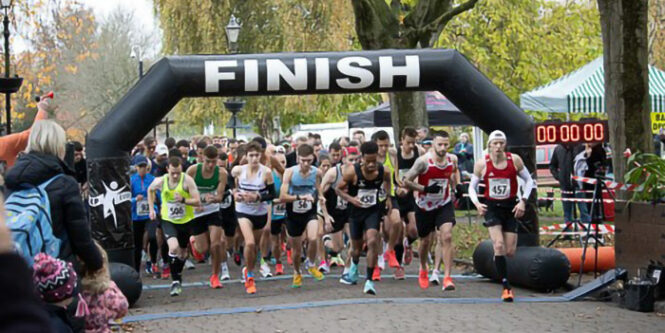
(176, 77)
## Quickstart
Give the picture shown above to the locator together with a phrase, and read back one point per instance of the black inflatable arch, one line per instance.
(176, 77)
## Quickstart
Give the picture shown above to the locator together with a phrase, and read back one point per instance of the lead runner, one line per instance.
(499, 171)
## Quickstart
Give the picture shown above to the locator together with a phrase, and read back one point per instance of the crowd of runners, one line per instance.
(217, 199)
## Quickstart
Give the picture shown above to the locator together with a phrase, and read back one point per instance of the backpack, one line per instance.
(28, 216)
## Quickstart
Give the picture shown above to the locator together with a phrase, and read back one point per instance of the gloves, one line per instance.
(433, 188)
(459, 193)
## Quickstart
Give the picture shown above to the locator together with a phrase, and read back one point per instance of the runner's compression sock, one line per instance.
(176, 265)
(370, 272)
(399, 252)
(500, 262)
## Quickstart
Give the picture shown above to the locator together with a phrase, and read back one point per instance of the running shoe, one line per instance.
(399, 273)
(422, 279)
(155, 271)
(189, 264)
(198, 256)
(381, 262)
(214, 282)
(289, 260)
(336, 261)
(434, 278)
(297, 281)
(265, 269)
(279, 270)
(448, 284)
(237, 258)
(176, 289)
(369, 288)
(166, 272)
(507, 295)
(392, 258)
(353, 273)
(323, 267)
(250, 286)
(315, 273)
(148, 268)
(346, 279)
(376, 275)
(225, 272)
(408, 253)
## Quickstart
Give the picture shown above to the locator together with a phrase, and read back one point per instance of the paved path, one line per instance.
(400, 305)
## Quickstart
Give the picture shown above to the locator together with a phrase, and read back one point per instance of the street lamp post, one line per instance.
(234, 105)
(8, 85)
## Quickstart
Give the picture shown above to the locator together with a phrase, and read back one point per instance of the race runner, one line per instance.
(207, 225)
(299, 192)
(254, 190)
(499, 171)
(179, 196)
(363, 182)
(437, 174)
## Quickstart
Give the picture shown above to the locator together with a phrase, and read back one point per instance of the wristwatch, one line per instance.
(183, 200)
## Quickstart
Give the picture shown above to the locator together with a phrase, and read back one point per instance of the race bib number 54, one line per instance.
(499, 188)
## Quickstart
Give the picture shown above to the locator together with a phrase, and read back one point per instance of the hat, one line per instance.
(139, 160)
(349, 150)
(496, 135)
(162, 150)
(280, 149)
(54, 279)
(426, 141)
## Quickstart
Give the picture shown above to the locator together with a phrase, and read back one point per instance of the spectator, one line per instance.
(657, 140)
(80, 167)
(55, 284)
(561, 167)
(43, 161)
(464, 151)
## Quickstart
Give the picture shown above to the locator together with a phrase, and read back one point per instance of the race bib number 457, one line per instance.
(499, 188)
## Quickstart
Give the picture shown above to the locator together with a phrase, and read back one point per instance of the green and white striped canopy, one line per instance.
(583, 91)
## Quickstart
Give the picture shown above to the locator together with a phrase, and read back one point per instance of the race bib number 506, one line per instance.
(176, 210)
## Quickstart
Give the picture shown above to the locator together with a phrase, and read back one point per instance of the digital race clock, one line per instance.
(571, 132)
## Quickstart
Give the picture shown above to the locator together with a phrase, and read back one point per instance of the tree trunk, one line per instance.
(408, 109)
(625, 47)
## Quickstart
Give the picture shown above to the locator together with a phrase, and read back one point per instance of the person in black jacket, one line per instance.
(46, 148)
(561, 167)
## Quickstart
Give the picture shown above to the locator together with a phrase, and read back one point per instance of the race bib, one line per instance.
(279, 209)
(176, 210)
(441, 182)
(367, 197)
(341, 203)
(142, 208)
(401, 173)
(226, 203)
(302, 206)
(499, 188)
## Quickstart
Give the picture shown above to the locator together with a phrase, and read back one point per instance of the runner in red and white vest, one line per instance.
(499, 171)
(437, 172)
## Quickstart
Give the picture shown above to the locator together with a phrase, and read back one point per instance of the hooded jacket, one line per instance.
(68, 216)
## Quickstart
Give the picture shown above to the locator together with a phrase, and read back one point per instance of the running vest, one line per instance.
(334, 202)
(206, 186)
(175, 212)
(403, 164)
(435, 174)
(278, 210)
(252, 185)
(302, 186)
(500, 184)
(367, 191)
(388, 165)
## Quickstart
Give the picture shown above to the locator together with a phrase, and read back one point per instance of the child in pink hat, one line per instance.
(55, 281)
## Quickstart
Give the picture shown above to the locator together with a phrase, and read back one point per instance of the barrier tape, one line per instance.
(602, 228)
(610, 184)
(557, 199)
